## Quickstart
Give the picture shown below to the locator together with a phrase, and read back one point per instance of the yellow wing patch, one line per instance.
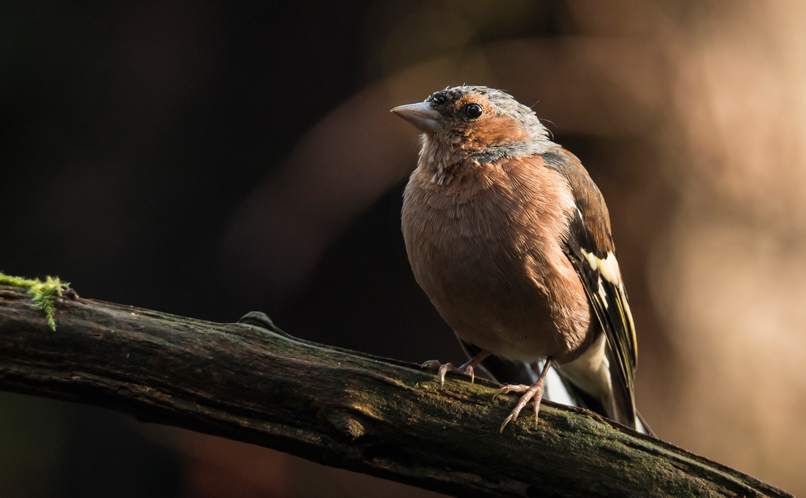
(626, 315)
(607, 267)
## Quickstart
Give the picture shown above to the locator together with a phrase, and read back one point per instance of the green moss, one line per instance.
(43, 294)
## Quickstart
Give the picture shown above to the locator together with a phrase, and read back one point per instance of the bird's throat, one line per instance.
(444, 159)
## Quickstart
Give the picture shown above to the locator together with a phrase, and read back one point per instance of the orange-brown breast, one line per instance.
(486, 249)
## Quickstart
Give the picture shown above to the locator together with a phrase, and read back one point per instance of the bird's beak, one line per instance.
(421, 115)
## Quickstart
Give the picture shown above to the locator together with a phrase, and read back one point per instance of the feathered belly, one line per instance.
(493, 281)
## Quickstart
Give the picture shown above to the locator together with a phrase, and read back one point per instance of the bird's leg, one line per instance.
(534, 391)
(467, 368)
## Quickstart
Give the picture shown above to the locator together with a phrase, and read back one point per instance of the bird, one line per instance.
(510, 239)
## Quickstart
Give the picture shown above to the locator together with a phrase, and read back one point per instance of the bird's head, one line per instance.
(476, 120)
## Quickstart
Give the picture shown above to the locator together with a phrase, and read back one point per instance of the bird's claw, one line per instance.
(512, 416)
(519, 388)
(443, 369)
(464, 369)
(535, 391)
(431, 364)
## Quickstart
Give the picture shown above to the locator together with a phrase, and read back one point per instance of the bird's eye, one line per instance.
(473, 110)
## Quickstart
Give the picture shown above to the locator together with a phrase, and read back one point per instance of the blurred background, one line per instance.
(153, 151)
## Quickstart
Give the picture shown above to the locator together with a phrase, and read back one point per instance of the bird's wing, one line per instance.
(590, 249)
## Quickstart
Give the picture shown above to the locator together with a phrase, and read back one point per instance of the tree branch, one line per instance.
(337, 407)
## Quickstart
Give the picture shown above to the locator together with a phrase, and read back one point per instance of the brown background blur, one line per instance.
(208, 158)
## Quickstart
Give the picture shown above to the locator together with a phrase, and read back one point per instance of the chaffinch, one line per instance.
(510, 239)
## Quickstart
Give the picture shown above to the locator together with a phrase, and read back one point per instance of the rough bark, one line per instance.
(341, 408)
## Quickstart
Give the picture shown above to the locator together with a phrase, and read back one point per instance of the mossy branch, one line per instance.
(43, 294)
(341, 408)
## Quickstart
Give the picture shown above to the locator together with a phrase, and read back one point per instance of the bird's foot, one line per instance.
(467, 368)
(443, 369)
(534, 391)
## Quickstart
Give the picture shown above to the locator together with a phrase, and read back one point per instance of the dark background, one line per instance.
(211, 158)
